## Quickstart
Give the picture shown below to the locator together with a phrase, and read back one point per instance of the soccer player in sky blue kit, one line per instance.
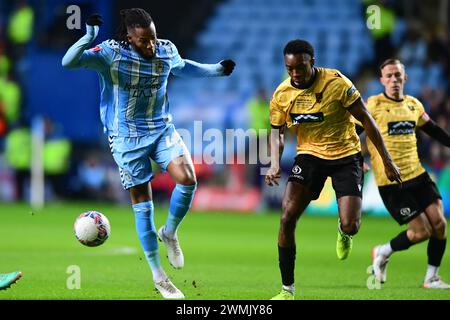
(134, 110)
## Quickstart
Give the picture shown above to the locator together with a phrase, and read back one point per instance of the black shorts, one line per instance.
(407, 202)
(346, 174)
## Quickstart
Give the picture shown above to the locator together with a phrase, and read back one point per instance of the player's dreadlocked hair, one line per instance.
(132, 18)
(299, 46)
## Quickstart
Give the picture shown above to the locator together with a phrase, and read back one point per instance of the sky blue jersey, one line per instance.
(134, 99)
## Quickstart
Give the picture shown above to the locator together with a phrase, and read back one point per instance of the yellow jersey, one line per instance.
(397, 121)
(318, 114)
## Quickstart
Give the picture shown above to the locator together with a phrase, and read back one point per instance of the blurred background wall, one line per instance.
(78, 165)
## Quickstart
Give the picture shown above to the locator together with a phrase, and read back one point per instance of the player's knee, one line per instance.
(440, 228)
(288, 218)
(421, 235)
(188, 180)
(288, 207)
(140, 193)
(287, 224)
(351, 226)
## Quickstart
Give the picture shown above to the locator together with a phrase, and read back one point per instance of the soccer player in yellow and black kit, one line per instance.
(417, 202)
(318, 104)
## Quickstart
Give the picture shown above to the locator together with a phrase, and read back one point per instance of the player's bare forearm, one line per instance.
(276, 145)
(276, 151)
(359, 111)
(374, 135)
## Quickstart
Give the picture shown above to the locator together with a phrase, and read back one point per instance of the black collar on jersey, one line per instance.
(396, 100)
(310, 82)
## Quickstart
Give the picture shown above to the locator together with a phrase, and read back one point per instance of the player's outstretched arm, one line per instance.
(72, 57)
(433, 130)
(192, 69)
(359, 111)
(276, 151)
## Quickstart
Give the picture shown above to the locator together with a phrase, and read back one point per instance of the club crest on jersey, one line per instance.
(401, 127)
(298, 118)
(411, 108)
(159, 66)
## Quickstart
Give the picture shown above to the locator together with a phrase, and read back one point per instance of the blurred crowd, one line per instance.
(70, 171)
(16, 30)
(416, 32)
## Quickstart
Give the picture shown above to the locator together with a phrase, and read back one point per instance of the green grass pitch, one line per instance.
(228, 256)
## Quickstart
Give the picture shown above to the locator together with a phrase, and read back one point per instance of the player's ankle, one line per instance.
(290, 288)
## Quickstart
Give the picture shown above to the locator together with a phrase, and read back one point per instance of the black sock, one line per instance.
(286, 258)
(401, 242)
(435, 251)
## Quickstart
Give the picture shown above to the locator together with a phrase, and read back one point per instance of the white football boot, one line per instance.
(174, 252)
(435, 282)
(168, 290)
(379, 265)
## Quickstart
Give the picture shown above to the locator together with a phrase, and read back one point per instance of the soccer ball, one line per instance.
(92, 228)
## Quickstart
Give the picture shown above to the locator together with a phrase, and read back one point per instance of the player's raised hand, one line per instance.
(272, 176)
(228, 66)
(392, 172)
(93, 24)
(94, 20)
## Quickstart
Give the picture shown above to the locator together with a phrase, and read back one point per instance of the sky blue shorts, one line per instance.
(133, 155)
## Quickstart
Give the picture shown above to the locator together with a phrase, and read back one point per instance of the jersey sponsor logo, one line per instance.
(351, 91)
(144, 88)
(306, 117)
(96, 48)
(401, 127)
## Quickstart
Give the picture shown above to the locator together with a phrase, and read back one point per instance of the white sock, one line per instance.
(431, 272)
(290, 288)
(159, 275)
(386, 250)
